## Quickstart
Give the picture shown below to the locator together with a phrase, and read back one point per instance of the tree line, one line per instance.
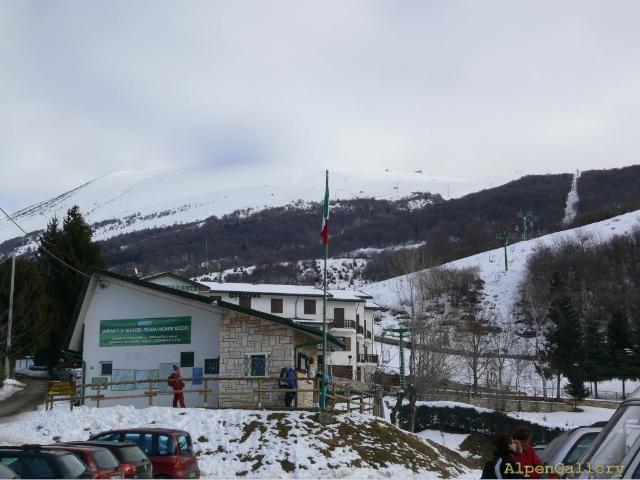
(580, 303)
(47, 291)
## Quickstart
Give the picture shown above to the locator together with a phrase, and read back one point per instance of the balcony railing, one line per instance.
(369, 335)
(360, 329)
(343, 324)
(362, 358)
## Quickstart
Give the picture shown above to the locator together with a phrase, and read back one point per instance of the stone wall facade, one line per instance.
(242, 335)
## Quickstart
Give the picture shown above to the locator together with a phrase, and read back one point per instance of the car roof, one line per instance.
(31, 448)
(102, 443)
(74, 447)
(143, 429)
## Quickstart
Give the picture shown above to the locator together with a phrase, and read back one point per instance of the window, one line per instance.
(106, 368)
(212, 366)
(309, 307)
(40, 468)
(257, 365)
(245, 302)
(338, 314)
(303, 362)
(184, 443)
(143, 440)
(186, 359)
(166, 445)
(579, 448)
(276, 305)
(347, 342)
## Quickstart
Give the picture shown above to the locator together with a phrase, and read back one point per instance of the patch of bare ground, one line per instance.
(480, 449)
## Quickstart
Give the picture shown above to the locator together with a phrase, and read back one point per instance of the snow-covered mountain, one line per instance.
(133, 200)
(501, 287)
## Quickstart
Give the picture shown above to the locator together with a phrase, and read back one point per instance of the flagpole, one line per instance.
(324, 309)
(324, 300)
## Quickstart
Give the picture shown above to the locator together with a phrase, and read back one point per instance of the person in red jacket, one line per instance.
(526, 456)
(175, 380)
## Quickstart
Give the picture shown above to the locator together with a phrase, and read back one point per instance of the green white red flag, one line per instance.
(324, 233)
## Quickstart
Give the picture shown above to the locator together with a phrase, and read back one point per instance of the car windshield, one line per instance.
(74, 467)
(105, 460)
(132, 455)
(619, 440)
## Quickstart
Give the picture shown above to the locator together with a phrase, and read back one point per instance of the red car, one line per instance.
(170, 451)
(101, 462)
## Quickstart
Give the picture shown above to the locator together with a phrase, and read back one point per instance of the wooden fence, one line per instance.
(339, 400)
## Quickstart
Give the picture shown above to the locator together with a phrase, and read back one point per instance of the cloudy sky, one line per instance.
(460, 89)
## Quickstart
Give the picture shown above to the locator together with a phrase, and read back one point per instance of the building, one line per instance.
(350, 315)
(129, 329)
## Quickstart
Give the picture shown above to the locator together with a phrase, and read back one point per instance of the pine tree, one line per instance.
(595, 363)
(73, 244)
(564, 343)
(575, 388)
(620, 348)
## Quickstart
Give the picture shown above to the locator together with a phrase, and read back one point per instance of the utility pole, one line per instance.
(504, 236)
(401, 331)
(7, 361)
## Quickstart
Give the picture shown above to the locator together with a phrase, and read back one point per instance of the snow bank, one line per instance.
(262, 444)
(9, 387)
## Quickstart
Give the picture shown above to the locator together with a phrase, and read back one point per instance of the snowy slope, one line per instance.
(258, 443)
(501, 286)
(163, 197)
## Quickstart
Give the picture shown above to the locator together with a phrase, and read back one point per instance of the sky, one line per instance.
(458, 89)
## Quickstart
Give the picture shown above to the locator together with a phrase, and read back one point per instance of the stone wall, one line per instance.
(242, 335)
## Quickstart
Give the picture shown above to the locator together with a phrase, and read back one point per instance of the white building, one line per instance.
(131, 330)
(350, 315)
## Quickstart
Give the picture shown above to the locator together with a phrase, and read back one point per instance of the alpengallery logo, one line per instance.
(561, 469)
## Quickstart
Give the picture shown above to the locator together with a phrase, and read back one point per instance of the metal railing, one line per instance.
(343, 324)
(360, 329)
(369, 334)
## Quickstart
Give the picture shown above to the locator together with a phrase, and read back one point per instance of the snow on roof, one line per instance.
(264, 288)
(348, 295)
(372, 305)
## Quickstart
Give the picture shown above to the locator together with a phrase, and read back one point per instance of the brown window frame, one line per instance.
(278, 303)
(308, 303)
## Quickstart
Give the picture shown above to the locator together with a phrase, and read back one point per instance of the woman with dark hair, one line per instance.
(503, 464)
(526, 456)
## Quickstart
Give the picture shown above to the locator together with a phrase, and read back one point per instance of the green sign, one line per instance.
(145, 331)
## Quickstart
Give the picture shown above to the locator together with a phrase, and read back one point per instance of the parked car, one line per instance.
(568, 447)
(618, 444)
(170, 451)
(101, 462)
(135, 463)
(32, 461)
(6, 472)
(67, 374)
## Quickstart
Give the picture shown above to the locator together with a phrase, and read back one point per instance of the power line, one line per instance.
(42, 246)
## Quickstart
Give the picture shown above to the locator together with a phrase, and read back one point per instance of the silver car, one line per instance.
(568, 447)
(615, 452)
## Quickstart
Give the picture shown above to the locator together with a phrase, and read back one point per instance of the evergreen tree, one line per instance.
(575, 388)
(74, 245)
(564, 343)
(620, 356)
(30, 301)
(595, 353)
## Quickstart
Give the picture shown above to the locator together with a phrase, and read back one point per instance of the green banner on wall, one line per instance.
(145, 331)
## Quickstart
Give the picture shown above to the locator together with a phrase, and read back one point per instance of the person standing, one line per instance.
(503, 464)
(292, 384)
(177, 383)
(526, 456)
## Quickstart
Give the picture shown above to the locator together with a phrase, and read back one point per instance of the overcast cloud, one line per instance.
(459, 89)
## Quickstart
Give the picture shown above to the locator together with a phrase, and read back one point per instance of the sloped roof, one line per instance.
(195, 297)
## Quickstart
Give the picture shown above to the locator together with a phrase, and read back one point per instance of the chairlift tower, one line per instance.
(400, 331)
(505, 236)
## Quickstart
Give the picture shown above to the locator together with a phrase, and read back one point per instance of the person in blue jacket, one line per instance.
(292, 383)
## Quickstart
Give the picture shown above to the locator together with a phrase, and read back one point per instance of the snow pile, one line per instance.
(9, 387)
(262, 444)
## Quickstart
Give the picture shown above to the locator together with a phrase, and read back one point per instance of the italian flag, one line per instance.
(324, 233)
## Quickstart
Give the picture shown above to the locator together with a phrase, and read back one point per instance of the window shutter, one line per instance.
(247, 365)
(266, 365)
